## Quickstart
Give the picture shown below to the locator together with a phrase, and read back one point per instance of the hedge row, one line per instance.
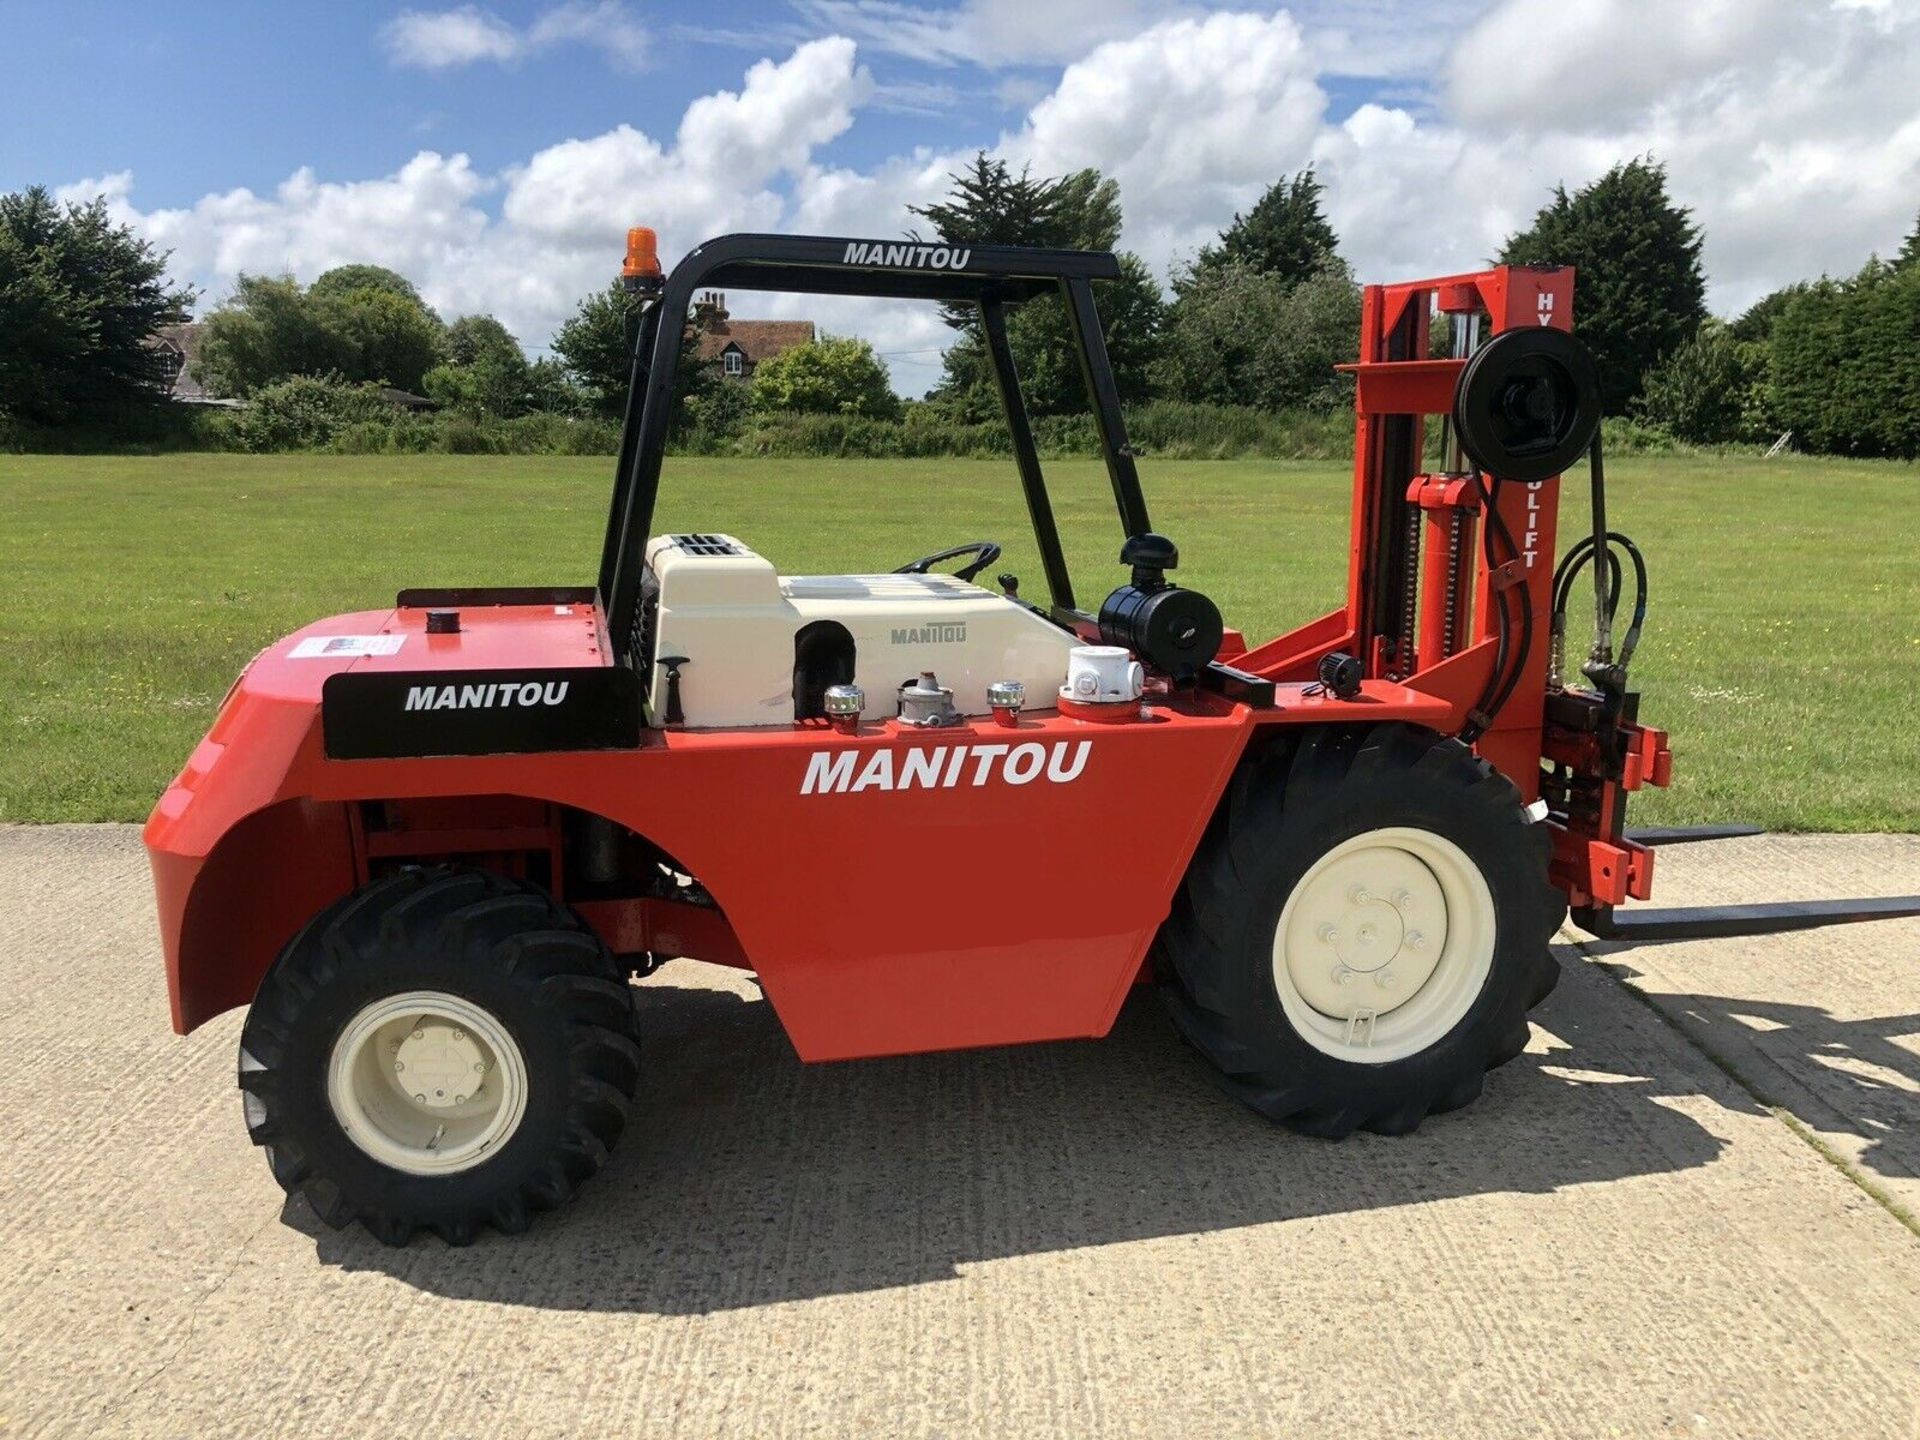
(307, 415)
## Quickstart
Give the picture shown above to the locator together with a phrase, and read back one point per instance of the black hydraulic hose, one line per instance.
(1567, 573)
(1475, 727)
(1525, 591)
(1632, 639)
(1504, 676)
(1605, 599)
(1562, 586)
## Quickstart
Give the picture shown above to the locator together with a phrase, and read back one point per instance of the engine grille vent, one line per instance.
(706, 546)
(646, 619)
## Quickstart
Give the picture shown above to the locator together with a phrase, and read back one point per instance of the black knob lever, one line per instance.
(675, 715)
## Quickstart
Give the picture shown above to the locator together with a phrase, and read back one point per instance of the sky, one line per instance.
(496, 154)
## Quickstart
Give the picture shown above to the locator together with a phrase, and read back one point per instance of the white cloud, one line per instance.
(1603, 63)
(1383, 38)
(917, 97)
(986, 32)
(1375, 38)
(466, 35)
(606, 26)
(561, 217)
(730, 148)
(1193, 118)
(440, 40)
(415, 220)
(1792, 128)
(1794, 134)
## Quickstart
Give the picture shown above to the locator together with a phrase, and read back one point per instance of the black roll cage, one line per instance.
(989, 277)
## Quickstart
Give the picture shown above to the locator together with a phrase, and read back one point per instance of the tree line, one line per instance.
(1256, 321)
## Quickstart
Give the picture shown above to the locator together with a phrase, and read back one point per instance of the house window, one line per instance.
(731, 363)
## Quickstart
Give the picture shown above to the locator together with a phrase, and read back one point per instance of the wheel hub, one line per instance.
(427, 1082)
(1383, 944)
(1366, 932)
(1367, 935)
(439, 1064)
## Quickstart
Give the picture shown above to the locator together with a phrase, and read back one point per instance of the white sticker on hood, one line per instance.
(345, 647)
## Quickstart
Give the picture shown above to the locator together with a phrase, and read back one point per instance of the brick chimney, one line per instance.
(710, 313)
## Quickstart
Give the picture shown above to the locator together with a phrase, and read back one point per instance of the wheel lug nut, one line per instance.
(1416, 941)
(479, 1067)
(1385, 980)
(1358, 895)
(419, 1099)
(1401, 899)
(459, 1035)
(1328, 934)
(417, 1034)
(1342, 976)
(399, 1064)
(459, 1099)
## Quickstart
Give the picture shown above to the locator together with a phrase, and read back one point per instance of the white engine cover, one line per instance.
(723, 607)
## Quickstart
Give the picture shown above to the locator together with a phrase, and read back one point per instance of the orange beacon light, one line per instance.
(643, 256)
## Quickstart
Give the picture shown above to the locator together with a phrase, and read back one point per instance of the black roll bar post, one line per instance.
(1026, 457)
(1104, 396)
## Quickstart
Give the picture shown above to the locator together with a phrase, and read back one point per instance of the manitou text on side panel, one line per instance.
(485, 697)
(942, 767)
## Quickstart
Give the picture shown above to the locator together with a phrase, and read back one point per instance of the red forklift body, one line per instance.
(895, 892)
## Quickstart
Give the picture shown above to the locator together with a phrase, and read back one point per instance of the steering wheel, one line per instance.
(988, 551)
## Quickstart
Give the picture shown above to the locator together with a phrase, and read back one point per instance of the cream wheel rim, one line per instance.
(427, 1083)
(1384, 945)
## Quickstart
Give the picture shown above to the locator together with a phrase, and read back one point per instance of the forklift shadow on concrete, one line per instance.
(746, 1178)
(1841, 1077)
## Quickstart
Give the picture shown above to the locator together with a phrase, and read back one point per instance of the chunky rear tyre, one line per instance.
(444, 1049)
(1363, 930)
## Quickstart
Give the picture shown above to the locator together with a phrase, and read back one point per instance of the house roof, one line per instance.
(757, 339)
(184, 340)
(406, 399)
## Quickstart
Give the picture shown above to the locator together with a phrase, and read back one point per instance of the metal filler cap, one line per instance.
(845, 700)
(843, 704)
(1006, 698)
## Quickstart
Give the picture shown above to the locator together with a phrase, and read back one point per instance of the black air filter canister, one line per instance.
(1175, 631)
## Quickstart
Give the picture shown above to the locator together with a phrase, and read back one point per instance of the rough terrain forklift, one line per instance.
(432, 844)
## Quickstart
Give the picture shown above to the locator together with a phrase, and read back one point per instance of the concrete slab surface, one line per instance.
(1824, 1024)
(1620, 1238)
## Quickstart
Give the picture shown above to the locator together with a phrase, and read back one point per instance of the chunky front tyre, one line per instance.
(444, 1049)
(1363, 930)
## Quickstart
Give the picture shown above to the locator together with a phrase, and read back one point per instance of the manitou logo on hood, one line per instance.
(943, 767)
(906, 257)
(951, 633)
(486, 697)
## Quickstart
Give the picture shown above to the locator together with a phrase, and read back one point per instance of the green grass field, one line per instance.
(1782, 650)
